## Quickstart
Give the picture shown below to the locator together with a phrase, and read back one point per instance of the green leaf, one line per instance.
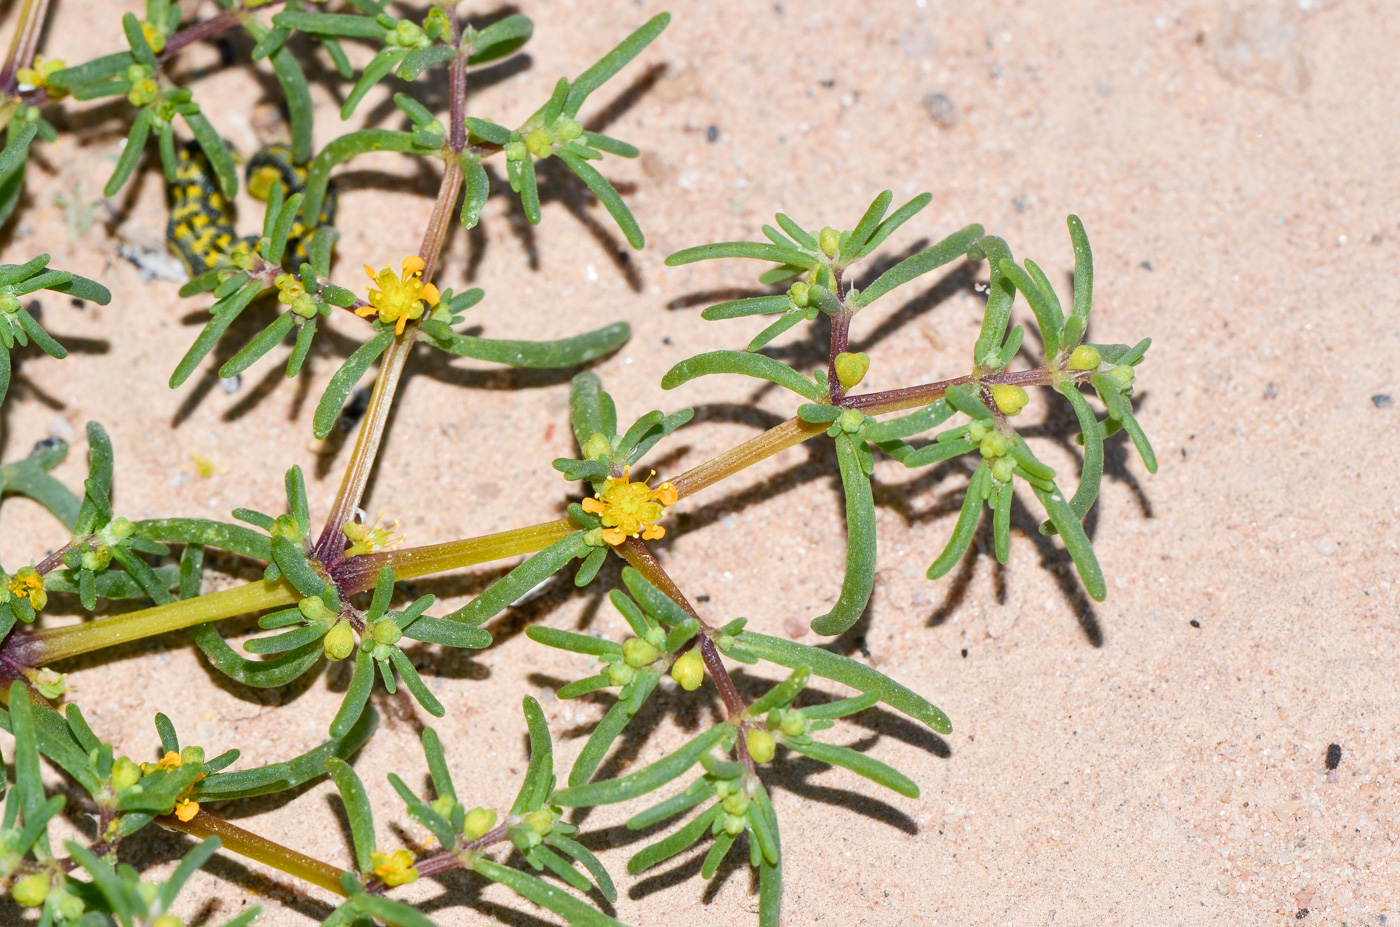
(753, 365)
(279, 777)
(785, 321)
(781, 695)
(570, 640)
(603, 735)
(610, 145)
(657, 604)
(841, 708)
(756, 305)
(758, 251)
(614, 61)
(1001, 293)
(1001, 520)
(906, 426)
(723, 842)
(92, 72)
(261, 674)
(223, 313)
(549, 355)
(131, 154)
(1076, 541)
(868, 222)
(539, 776)
(699, 791)
(1083, 268)
(646, 779)
(96, 507)
(770, 893)
(17, 146)
(529, 574)
(420, 59)
(477, 190)
(859, 580)
(900, 216)
(207, 533)
(501, 38)
(265, 341)
(216, 151)
(448, 632)
(344, 380)
(334, 24)
(192, 862)
(1048, 314)
(339, 151)
(356, 695)
(858, 763)
(607, 195)
(543, 894)
(437, 765)
(832, 666)
(357, 809)
(947, 250)
(394, 913)
(1091, 434)
(590, 862)
(678, 842)
(966, 526)
(378, 68)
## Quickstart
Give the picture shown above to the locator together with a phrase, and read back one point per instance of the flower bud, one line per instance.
(597, 446)
(689, 670)
(31, 890)
(386, 632)
(540, 821)
(314, 609)
(478, 822)
(638, 652)
(851, 421)
(798, 294)
(1084, 357)
(830, 241)
(1123, 375)
(1010, 399)
(793, 723)
(761, 745)
(994, 445)
(733, 826)
(125, 774)
(851, 368)
(976, 432)
(339, 642)
(9, 303)
(620, 674)
(540, 143)
(1003, 469)
(736, 804)
(167, 920)
(566, 130)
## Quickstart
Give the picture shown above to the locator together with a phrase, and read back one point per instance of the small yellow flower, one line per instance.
(185, 809)
(154, 37)
(630, 509)
(28, 584)
(369, 538)
(38, 75)
(394, 870)
(171, 760)
(396, 300)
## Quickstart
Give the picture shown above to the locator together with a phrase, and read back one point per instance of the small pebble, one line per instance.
(232, 384)
(1334, 755)
(1326, 547)
(1381, 400)
(964, 653)
(702, 598)
(712, 134)
(941, 109)
(1195, 623)
(795, 626)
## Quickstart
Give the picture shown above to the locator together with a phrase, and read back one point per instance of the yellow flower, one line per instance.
(369, 538)
(396, 300)
(28, 584)
(171, 760)
(394, 870)
(38, 75)
(630, 509)
(185, 809)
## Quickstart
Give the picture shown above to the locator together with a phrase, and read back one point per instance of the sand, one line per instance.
(1154, 759)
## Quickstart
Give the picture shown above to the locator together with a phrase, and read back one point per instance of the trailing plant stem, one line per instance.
(32, 17)
(357, 574)
(38, 648)
(250, 845)
(331, 545)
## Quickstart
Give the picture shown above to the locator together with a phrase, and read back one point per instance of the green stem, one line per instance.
(357, 574)
(250, 845)
(47, 645)
(331, 544)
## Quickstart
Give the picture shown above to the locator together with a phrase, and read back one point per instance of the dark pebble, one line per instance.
(1381, 400)
(964, 653)
(941, 109)
(702, 598)
(712, 134)
(1334, 755)
(1195, 623)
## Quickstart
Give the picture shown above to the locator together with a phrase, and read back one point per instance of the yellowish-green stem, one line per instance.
(237, 840)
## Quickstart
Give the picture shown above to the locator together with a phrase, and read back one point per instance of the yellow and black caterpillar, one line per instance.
(201, 230)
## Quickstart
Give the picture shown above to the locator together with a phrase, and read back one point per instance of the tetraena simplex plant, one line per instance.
(311, 581)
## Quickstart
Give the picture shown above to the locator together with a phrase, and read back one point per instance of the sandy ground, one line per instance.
(1157, 759)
